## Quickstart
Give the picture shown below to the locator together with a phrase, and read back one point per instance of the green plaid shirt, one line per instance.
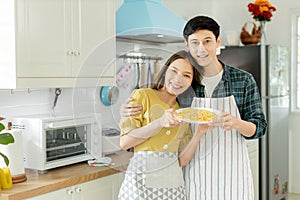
(242, 86)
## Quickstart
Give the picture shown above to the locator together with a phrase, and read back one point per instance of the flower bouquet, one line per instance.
(261, 10)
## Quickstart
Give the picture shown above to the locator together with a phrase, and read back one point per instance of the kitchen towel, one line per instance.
(14, 152)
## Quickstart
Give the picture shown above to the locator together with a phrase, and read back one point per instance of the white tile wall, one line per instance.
(15, 103)
(22, 102)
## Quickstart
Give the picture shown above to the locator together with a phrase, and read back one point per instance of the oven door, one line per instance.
(68, 139)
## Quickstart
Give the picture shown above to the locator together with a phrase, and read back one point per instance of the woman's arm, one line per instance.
(188, 152)
(139, 135)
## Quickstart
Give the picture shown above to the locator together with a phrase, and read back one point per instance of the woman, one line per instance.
(158, 136)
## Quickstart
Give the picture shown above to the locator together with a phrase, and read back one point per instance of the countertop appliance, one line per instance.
(270, 66)
(110, 141)
(50, 142)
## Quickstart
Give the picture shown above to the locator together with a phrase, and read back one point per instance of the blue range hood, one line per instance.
(148, 21)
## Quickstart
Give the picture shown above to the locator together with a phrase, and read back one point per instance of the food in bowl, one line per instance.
(197, 115)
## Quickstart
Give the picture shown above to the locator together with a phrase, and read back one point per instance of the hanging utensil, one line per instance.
(143, 75)
(156, 69)
(149, 75)
(57, 93)
(109, 95)
(138, 75)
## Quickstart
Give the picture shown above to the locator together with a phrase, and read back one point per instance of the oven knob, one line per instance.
(78, 190)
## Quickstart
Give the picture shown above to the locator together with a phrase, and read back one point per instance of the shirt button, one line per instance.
(168, 132)
(166, 146)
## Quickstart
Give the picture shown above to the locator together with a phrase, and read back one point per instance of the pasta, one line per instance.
(196, 114)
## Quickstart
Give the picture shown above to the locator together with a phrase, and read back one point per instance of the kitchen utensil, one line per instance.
(143, 75)
(149, 75)
(109, 95)
(156, 69)
(124, 76)
(138, 75)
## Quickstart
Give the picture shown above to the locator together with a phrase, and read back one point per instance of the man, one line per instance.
(220, 168)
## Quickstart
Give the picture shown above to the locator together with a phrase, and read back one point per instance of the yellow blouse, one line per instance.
(168, 139)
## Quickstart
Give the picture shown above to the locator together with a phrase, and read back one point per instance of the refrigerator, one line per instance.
(269, 65)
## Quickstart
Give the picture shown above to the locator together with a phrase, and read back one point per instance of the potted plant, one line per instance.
(5, 138)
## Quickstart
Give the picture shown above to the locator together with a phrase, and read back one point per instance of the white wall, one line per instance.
(232, 15)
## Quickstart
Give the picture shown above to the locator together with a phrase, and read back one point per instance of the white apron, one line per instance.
(220, 168)
(153, 176)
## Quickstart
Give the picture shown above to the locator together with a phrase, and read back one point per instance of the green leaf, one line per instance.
(5, 159)
(2, 127)
(6, 138)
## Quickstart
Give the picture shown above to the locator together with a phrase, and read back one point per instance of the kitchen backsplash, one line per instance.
(71, 101)
(23, 102)
(75, 101)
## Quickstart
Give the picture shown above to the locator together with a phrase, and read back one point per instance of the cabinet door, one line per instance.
(103, 188)
(44, 38)
(94, 38)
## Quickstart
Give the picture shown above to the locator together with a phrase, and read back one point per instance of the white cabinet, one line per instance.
(103, 188)
(57, 43)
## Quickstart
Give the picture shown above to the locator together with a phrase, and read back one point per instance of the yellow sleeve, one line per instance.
(127, 124)
(186, 137)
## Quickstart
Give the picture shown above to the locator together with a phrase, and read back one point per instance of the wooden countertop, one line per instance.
(63, 177)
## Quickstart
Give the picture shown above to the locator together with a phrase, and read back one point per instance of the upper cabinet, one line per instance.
(57, 43)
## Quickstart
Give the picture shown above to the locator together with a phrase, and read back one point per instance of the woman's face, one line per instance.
(179, 76)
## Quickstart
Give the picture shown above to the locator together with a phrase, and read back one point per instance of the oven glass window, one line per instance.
(66, 142)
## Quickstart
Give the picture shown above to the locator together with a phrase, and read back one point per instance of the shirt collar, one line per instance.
(225, 76)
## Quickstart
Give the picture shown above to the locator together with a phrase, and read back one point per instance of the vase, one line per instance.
(263, 36)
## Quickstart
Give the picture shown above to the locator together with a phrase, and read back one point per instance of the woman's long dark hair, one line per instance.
(159, 81)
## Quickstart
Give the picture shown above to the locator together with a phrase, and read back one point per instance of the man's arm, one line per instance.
(128, 109)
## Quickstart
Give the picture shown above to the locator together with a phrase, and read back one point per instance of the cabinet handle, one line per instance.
(78, 190)
(70, 53)
(76, 53)
(70, 192)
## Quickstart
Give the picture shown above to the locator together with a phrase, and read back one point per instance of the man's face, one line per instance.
(203, 46)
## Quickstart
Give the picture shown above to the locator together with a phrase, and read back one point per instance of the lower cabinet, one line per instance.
(103, 188)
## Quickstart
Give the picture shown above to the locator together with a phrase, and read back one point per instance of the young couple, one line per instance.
(214, 155)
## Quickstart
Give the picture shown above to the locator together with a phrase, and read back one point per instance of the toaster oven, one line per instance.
(51, 142)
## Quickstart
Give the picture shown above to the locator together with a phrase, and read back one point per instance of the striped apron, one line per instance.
(220, 168)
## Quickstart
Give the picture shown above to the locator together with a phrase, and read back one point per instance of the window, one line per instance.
(295, 64)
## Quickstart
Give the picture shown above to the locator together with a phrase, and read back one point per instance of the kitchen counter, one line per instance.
(63, 177)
